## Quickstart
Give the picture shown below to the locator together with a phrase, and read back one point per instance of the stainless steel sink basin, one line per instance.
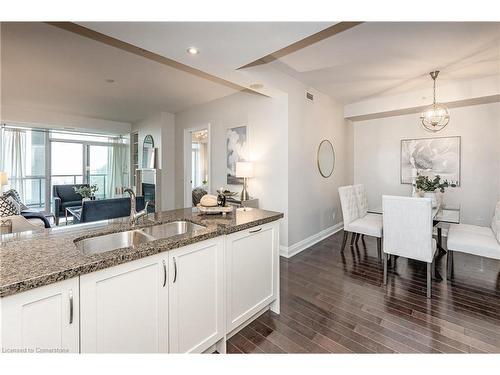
(171, 229)
(108, 242)
(131, 238)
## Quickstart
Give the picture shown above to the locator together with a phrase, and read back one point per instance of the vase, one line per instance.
(85, 200)
(433, 196)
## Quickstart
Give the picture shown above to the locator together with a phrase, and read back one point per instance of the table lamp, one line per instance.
(244, 169)
(4, 180)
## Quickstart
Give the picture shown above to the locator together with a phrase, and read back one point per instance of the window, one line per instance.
(37, 159)
(66, 164)
(35, 170)
(23, 158)
(98, 168)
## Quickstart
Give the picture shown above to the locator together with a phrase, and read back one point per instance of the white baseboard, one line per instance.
(290, 251)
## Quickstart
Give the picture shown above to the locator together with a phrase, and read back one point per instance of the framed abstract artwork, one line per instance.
(236, 150)
(439, 156)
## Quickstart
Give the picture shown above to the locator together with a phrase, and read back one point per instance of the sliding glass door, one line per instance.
(98, 168)
(36, 159)
(81, 162)
(66, 163)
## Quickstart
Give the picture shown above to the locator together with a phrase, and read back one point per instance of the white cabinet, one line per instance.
(125, 308)
(42, 319)
(196, 296)
(181, 301)
(252, 269)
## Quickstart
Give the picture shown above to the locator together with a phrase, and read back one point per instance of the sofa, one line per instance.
(32, 215)
(65, 196)
(37, 217)
(105, 209)
(21, 224)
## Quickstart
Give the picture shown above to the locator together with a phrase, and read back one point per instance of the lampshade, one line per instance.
(244, 169)
(4, 180)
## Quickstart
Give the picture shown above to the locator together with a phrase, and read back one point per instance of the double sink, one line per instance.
(134, 237)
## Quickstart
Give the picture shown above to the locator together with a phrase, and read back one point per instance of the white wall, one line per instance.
(266, 119)
(161, 126)
(377, 158)
(313, 201)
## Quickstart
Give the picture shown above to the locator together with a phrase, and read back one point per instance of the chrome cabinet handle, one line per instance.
(70, 307)
(175, 270)
(164, 273)
(255, 231)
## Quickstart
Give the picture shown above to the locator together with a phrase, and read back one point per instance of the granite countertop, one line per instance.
(32, 259)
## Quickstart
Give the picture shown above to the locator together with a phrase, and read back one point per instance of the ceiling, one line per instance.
(387, 58)
(47, 68)
(369, 60)
(223, 46)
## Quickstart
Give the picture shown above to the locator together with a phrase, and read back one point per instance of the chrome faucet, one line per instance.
(134, 215)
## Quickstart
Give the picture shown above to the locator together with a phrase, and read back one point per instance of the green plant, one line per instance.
(424, 183)
(86, 191)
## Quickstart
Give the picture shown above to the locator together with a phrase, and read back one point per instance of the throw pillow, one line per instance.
(8, 206)
(17, 197)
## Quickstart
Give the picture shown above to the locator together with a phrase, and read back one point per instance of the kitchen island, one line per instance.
(179, 293)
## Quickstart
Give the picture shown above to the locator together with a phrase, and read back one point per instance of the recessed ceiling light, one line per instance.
(256, 86)
(109, 80)
(193, 51)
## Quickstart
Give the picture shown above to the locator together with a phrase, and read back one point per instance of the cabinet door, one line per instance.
(45, 318)
(196, 305)
(252, 266)
(124, 308)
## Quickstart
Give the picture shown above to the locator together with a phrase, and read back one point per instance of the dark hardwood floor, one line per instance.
(336, 303)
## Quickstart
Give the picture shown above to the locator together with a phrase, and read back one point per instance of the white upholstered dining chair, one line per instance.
(357, 220)
(408, 232)
(475, 240)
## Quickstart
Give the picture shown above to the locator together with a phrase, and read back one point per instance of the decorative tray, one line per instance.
(214, 210)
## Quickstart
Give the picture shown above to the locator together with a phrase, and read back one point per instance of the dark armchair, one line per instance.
(65, 196)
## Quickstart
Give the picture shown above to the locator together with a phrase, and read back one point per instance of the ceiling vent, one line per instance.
(309, 96)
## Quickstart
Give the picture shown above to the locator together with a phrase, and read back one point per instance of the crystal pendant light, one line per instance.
(435, 117)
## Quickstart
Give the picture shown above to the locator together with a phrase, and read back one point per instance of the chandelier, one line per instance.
(435, 117)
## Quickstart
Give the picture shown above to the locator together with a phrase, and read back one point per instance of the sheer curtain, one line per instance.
(13, 159)
(117, 167)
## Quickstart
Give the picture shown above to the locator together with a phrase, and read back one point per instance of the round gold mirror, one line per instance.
(326, 158)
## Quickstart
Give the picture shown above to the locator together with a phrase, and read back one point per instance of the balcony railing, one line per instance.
(34, 190)
(34, 186)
